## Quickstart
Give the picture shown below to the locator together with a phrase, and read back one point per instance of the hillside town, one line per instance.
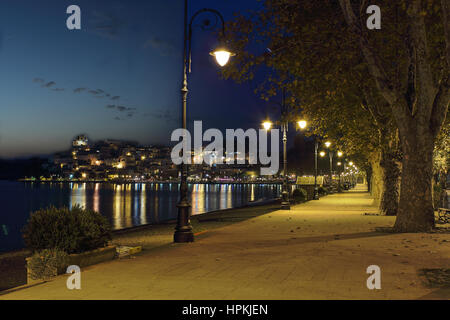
(117, 160)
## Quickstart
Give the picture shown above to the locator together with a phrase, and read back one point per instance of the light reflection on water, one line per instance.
(124, 205)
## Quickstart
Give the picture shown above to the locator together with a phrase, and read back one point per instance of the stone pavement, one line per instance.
(317, 250)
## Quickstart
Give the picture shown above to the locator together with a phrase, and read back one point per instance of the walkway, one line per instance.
(317, 250)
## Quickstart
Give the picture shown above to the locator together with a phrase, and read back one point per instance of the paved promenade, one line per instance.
(318, 250)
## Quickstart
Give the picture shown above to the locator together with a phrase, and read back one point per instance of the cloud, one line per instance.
(79, 90)
(115, 98)
(130, 112)
(117, 118)
(165, 47)
(123, 108)
(105, 24)
(94, 92)
(49, 84)
(166, 115)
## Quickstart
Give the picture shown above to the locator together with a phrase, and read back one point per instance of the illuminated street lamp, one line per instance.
(267, 125)
(302, 124)
(222, 56)
(183, 229)
(322, 154)
(284, 123)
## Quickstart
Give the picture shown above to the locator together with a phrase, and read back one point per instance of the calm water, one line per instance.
(125, 205)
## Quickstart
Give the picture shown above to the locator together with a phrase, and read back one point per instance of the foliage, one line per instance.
(71, 230)
(299, 195)
(322, 191)
(365, 90)
(45, 264)
(441, 154)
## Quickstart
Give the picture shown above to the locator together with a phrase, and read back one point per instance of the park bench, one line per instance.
(443, 215)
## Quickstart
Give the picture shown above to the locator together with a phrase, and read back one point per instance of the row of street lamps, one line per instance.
(302, 124)
(183, 229)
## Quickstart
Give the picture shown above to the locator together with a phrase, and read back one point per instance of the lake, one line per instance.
(124, 205)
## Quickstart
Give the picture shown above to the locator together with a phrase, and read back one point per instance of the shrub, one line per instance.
(71, 230)
(323, 191)
(45, 264)
(299, 195)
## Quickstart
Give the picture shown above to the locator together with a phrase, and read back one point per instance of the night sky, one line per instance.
(118, 77)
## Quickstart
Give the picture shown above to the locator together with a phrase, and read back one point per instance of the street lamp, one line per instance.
(339, 154)
(302, 124)
(285, 204)
(222, 56)
(183, 229)
(328, 144)
(267, 125)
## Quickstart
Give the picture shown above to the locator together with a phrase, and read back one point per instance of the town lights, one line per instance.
(340, 154)
(327, 144)
(322, 154)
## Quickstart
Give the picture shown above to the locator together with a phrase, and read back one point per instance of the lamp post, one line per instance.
(339, 154)
(285, 204)
(316, 188)
(330, 153)
(183, 229)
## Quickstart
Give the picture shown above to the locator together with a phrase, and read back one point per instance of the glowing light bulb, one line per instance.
(302, 124)
(267, 125)
(222, 56)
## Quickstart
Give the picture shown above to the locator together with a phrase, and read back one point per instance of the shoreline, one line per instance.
(141, 182)
(149, 236)
(257, 203)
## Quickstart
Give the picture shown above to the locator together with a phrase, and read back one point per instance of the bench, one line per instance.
(443, 215)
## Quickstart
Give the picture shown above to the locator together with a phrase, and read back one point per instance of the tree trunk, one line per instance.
(415, 211)
(369, 179)
(391, 173)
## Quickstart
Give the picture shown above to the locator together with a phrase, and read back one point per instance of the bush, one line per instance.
(71, 230)
(323, 191)
(45, 264)
(299, 195)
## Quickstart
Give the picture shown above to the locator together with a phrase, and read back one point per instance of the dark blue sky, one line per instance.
(118, 77)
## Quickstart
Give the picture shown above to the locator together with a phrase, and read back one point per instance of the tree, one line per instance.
(419, 103)
(326, 76)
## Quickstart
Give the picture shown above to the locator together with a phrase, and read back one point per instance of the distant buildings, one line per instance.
(110, 160)
(116, 160)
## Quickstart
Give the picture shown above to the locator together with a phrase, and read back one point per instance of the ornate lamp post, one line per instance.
(316, 188)
(339, 154)
(284, 123)
(330, 153)
(183, 230)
